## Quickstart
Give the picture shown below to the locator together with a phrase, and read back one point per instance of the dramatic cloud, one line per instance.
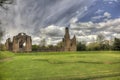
(31, 16)
(52, 34)
(47, 19)
(52, 31)
(84, 31)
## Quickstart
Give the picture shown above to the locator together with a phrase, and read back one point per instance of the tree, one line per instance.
(104, 45)
(60, 44)
(1, 33)
(35, 47)
(81, 47)
(93, 46)
(116, 44)
(43, 43)
(100, 38)
(3, 2)
(2, 47)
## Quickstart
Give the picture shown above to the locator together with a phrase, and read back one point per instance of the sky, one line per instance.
(47, 19)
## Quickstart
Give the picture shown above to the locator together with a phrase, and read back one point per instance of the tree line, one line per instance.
(104, 45)
(99, 45)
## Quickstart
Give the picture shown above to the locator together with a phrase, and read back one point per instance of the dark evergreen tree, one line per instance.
(35, 47)
(116, 44)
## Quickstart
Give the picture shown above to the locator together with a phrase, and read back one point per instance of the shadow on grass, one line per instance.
(96, 77)
(78, 56)
(67, 62)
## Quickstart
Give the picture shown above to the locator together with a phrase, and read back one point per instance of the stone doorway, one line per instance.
(22, 45)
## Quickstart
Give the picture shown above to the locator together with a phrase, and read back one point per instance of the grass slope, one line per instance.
(102, 65)
(5, 54)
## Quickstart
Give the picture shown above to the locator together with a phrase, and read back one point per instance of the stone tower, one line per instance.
(69, 44)
(67, 40)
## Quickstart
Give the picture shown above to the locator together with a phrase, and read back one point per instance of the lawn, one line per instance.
(93, 65)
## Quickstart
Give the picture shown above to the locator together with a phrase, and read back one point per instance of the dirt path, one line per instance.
(6, 59)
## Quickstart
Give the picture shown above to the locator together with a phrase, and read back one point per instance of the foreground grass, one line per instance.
(103, 65)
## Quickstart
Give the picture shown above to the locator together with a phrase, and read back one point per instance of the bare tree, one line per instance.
(3, 2)
(2, 6)
(1, 33)
(43, 43)
(100, 37)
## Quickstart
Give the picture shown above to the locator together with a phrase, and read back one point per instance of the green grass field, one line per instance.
(94, 65)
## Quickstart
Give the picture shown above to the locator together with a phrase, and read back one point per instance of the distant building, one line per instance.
(69, 44)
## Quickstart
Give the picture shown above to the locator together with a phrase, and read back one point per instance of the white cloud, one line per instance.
(74, 20)
(52, 34)
(82, 25)
(36, 40)
(87, 38)
(105, 16)
(52, 31)
(111, 0)
(85, 8)
(97, 17)
(99, 11)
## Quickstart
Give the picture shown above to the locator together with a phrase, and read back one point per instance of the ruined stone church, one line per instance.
(69, 44)
(20, 43)
(23, 43)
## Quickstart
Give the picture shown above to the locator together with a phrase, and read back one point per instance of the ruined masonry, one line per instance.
(69, 44)
(23, 43)
(20, 43)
